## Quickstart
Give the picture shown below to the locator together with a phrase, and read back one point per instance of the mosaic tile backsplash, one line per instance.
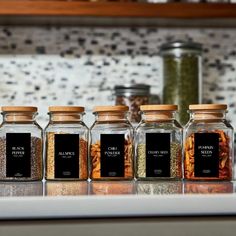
(80, 66)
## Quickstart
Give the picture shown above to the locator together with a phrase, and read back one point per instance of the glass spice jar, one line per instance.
(158, 144)
(182, 75)
(66, 144)
(208, 144)
(111, 151)
(133, 95)
(20, 144)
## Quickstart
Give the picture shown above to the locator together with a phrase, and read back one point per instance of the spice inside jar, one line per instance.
(111, 150)
(66, 144)
(20, 144)
(182, 75)
(158, 142)
(208, 147)
(133, 96)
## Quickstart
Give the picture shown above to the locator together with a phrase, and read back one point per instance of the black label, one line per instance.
(18, 155)
(158, 155)
(66, 156)
(112, 155)
(206, 155)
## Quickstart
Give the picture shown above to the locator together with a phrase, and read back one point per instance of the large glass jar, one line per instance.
(208, 144)
(182, 75)
(20, 145)
(133, 96)
(66, 144)
(158, 144)
(111, 150)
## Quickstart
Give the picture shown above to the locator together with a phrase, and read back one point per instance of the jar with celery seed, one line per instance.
(158, 144)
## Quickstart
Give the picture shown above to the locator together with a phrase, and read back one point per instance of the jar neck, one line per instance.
(207, 115)
(110, 116)
(19, 117)
(158, 115)
(65, 117)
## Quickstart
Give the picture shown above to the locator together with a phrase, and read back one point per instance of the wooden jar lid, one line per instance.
(195, 107)
(19, 109)
(110, 108)
(66, 109)
(159, 107)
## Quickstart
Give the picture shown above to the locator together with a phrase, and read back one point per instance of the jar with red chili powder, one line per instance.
(208, 143)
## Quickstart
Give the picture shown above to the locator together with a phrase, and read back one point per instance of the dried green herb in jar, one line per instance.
(182, 75)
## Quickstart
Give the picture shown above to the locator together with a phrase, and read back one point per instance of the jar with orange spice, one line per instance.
(66, 144)
(208, 143)
(111, 150)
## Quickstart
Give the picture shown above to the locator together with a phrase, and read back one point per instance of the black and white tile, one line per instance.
(80, 66)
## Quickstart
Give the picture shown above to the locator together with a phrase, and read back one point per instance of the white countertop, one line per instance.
(115, 199)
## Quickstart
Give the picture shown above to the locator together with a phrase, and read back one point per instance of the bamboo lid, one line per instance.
(19, 109)
(110, 108)
(66, 109)
(169, 107)
(208, 107)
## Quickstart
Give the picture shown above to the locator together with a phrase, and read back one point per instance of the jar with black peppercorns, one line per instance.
(20, 144)
(133, 96)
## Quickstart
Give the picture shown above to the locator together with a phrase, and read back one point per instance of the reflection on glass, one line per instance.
(208, 187)
(72, 188)
(112, 188)
(17, 189)
(160, 187)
